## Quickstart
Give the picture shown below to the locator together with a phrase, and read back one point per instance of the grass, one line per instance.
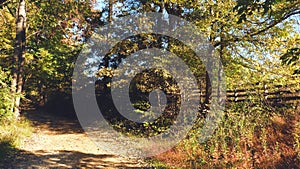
(157, 164)
(249, 136)
(12, 133)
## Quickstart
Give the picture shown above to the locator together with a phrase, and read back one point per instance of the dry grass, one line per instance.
(12, 133)
(274, 145)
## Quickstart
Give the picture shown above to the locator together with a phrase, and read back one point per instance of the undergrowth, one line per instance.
(250, 135)
(12, 133)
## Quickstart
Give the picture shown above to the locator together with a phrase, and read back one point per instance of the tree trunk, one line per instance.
(207, 89)
(220, 69)
(110, 14)
(19, 57)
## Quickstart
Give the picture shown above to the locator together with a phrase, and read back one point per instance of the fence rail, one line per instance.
(283, 95)
(268, 92)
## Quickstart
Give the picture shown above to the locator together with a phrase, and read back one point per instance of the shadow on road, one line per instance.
(62, 159)
(59, 124)
(68, 149)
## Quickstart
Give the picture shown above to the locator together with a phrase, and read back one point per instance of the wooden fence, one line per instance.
(267, 92)
(279, 95)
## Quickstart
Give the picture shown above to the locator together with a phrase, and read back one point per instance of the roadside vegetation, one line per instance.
(12, 131)
(247, 137)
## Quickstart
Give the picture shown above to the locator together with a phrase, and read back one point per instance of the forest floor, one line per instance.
(60, 142)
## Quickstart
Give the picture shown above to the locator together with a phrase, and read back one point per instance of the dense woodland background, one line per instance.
(257, 42)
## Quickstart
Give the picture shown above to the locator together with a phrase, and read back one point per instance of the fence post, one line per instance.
(265, 91)
(235, 95)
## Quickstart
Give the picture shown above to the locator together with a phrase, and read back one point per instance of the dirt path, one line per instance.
(59, 142)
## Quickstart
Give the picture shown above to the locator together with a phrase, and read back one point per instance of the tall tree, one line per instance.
(19, 56)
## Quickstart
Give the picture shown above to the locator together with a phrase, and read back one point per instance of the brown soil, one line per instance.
(59, 142)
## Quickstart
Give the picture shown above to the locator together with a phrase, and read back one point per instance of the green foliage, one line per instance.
(158, 164)
(5, 96)
(56, 33)
(249, 7)
(292, 57)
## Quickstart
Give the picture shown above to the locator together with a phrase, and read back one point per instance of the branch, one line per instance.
(3, 17)
(275, 22)
(33, 34)
(12, 14)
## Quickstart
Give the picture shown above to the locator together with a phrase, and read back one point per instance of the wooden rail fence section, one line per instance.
(268, 92)
(280, 95)
(271, 93)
